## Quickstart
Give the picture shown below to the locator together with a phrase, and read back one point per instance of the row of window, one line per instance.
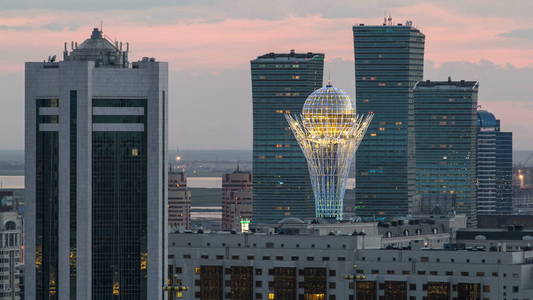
(252, 257)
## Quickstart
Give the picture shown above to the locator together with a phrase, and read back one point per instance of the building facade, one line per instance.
(389, 61)
(494, 166)
(179, 200)
(11, 255)
(280, 84)
(312, 262)
(236, 201)
(443, 125)
(96, 168)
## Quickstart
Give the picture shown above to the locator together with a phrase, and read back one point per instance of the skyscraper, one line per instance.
(389, 60)
(281, 184)
(11, 255)
(96, 174)
(236, 200)
(329, 132)
(442, 154)
(179, 200)
(494, 166)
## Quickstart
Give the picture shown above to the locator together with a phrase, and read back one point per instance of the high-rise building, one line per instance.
(236, 201)
(280, 84)
(11, 251)
(329, 132)
(96, 174)
(494, 166)
(442, 141)
(179, 200)
(389, 61)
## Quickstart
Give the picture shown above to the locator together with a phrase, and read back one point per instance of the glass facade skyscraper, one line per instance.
(494, 166)
(281, 83)
(96, 185)
(442, 136)
(389, 61)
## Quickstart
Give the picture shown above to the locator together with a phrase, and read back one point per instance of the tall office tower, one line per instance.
(281, 184)
(494, 166)
(329, 132)
(389, 60)
(442, 141)
(179, 200)
(96, 175)
(11, 249)
(236, 201)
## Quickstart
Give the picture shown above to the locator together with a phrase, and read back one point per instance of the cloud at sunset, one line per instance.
(208, 41)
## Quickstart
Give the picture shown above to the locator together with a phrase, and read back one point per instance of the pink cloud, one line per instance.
(193, 44)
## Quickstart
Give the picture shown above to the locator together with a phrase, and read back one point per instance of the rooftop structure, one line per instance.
(328, 132)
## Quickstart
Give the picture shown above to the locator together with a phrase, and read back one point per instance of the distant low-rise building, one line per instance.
(179, 200)
(11, 247)
(236, 200)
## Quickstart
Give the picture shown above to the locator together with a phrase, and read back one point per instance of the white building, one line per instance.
(10, 255)
(298, 260)
(96, 174)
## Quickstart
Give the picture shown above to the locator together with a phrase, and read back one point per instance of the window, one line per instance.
(310, 258)
(486, 289)
(332, 273)
(332, 285)
(464, 273)
(204, 256)
(294, 258)
(421, 272)
(266, 257)
(258, 284)
(412, 287)
(480, 274)
(197, 270)
(251, 257)
(404, 272)
(258, 272)
(271, 296)
(235, 257)
(390, 271)
(325, 258)
(220, 257)
(187, 256)
(258, 296)
(279, 257)
(449, 273)
(341, 258)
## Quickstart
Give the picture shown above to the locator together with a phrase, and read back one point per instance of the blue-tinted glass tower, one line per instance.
(494, 166)
(281, 184)
(443, 125)
(389, 60)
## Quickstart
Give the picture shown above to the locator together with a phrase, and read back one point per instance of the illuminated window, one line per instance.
(271, 296)
(279, 111)
(365, 101)
(295, 77)
(381, 129)
(278, 145)
(382, 84)
(372, 78)
(398, 123)
(197, 270)
(279, 156)
(134, 152)
(373, 134)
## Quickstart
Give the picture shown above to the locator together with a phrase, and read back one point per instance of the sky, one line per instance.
(209, 45)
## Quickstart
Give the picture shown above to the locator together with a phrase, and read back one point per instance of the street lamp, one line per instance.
(175, 288)
(354, 278)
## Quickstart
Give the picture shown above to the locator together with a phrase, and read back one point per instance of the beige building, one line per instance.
(236, 200)
(179, 200)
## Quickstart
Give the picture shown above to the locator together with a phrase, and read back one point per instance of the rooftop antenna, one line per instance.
(329, 78)
(101, 26)
(390, 20)
(384, 17)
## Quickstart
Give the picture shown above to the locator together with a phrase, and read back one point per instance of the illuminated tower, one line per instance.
(329, 132)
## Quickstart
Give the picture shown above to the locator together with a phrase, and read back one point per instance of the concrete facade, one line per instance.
(11, 255)
(179, 200)
(236, 200)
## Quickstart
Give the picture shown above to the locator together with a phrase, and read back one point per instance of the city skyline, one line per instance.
(206, 46)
